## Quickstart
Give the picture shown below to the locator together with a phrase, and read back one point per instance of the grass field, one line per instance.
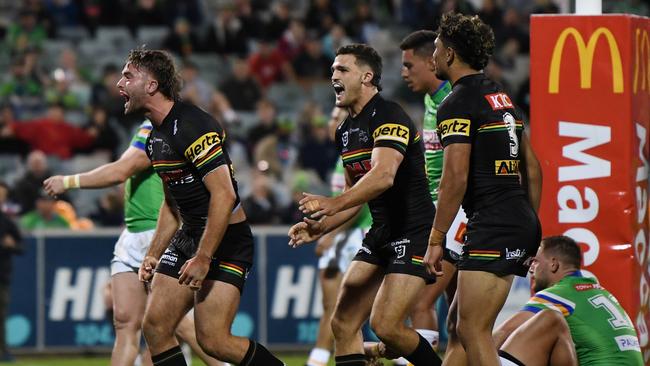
(291, 359)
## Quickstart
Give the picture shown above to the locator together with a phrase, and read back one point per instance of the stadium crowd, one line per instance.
(260, 67)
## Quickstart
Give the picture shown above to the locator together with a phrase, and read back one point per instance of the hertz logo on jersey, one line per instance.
(391, 131)
(506, 167)
(454, 127)
(201, 146)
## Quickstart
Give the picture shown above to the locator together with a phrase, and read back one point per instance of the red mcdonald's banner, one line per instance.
(590, 116)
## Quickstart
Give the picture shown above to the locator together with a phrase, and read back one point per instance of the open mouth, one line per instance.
(338, 88)
(126, 97)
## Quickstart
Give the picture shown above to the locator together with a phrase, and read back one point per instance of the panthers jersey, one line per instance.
(407, 205)
(478, 112)
(186, 147)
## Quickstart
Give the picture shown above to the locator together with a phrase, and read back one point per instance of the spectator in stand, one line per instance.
(321, 16)
(43, 16)
(512, 31)
(182, 41)
(280, 18)
(226, 34)
(417, 14)
(260, 205)
(105, 94)
(292, 41)
(44, 216)
(10, 245)
(266, 125)
(9, 144)
(545, 7)
(66, 13)
(28, 186)
(145, 13)
(22, 88)
(334, 39)
(317, 151)
(362, 24)
(277, 152)
(55, 136)
(192, 10)
(27, 32)
(110, 208)
(195, 89)
(268, 65)
(491, 14)
(240, 87)
(311, 65)
(250, 19)
(107, 139)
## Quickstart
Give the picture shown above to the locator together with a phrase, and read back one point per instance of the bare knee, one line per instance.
(386, 329)
(155, 329)
(125, 320)
(215, 342)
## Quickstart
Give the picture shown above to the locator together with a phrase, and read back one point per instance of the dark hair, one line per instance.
(565, 248)
(365, 55)
(161, 66)
(421, 42)
(470, 38)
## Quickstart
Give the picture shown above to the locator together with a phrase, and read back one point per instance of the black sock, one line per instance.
(171, 357)
(424, 355)
(355, 359)
(258, 355)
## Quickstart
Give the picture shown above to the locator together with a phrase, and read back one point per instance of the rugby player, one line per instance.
(567, 309)
(143, 194)
(383, 156)
(205, 262)
(484, 143)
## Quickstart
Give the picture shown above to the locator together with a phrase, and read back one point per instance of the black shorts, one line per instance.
(502, 238)
(404, 254)
(231, 263)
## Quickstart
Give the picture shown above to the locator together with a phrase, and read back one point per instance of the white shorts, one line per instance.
(345, 247)
(130, 250)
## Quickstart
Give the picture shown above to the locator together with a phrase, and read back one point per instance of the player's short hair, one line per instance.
(161, 66)
(470, 38)
(565, 248)
(365, 55)
(421, 42)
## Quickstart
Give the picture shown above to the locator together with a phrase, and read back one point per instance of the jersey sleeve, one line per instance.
(140, 138)
(550, 299)
(201, 143)
(455, 124)
(393, 128)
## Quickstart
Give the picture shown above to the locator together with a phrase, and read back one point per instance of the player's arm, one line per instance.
(503, 331)
(453, 183)
(533, 173)
(167, 224)
(132, 161)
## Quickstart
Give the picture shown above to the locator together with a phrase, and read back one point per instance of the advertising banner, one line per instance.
(589, 128)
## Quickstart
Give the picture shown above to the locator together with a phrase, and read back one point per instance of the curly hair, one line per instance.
(469, 37)
(161, 66)
(365, 55)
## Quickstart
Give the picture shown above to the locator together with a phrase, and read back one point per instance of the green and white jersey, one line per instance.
(364, 220)
(602, 332)
(432, 145)
(143, 192)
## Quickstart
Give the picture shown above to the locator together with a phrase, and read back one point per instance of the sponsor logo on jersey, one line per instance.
(587, 286)
(344, 138)
(393, 132)
(201, 146)
(506, 167)
(627, 343)
(454, 127)
(499, 101)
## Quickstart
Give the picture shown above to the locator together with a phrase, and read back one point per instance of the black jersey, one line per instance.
(186, 147)
(479, 112)
(407, 205)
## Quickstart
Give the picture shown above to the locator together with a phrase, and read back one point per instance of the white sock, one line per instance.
(432, 336)
(400, 361)
(187, 353)
(318, 357)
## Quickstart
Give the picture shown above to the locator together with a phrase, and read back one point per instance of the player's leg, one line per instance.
(187, 332)
(129, 301)
(455, 353)
(168, 303)
(356, 296)
(542, 340)
(330, 282)
(481, 296)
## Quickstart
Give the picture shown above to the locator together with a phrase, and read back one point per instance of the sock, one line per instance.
(432, 336)
(318, 357)
(171, 357)
(355, 359)
(400, 361)
(424, 355)
(258, 355)
(187, 353)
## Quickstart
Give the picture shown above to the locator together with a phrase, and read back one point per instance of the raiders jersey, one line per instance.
(187, 146)
(480, 113)
(406, 206)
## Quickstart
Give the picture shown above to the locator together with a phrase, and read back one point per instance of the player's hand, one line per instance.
(324, 243)
(304, 232)
(316, 206)
(194, 271)
(54, 185)
(433, 260)
(147, 268)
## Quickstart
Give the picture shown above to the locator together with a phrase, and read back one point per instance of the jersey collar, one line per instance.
(367, 109)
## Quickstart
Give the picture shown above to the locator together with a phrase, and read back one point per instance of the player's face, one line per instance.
(440, 56)
(416, 70)
(347, 78)
(132, 86)
(540, 269)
